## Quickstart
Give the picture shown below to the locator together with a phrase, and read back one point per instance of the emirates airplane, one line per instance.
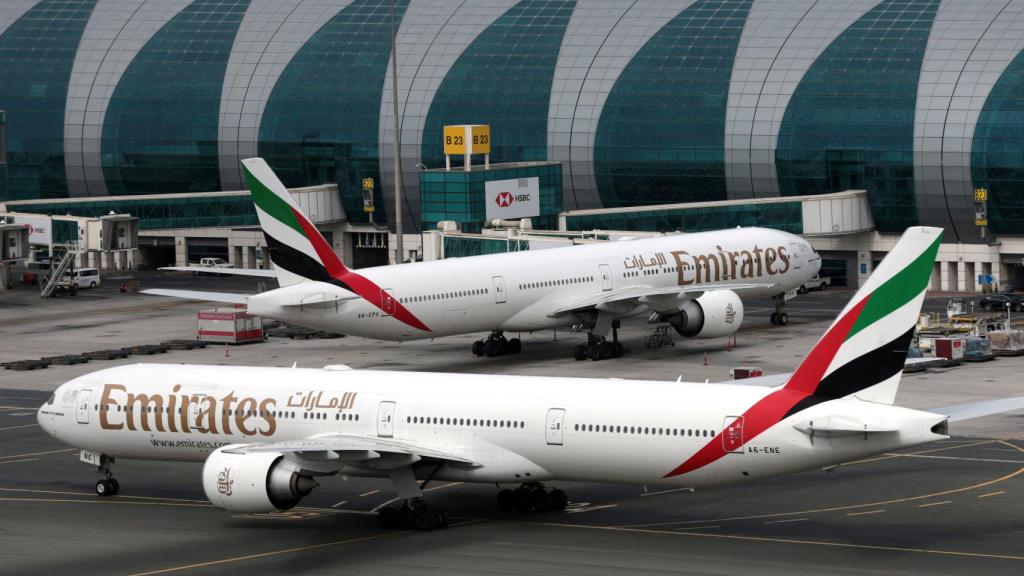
(690, 281)
(268, 434)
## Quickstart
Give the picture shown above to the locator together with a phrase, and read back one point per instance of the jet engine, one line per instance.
(713, 314)
(254, 482)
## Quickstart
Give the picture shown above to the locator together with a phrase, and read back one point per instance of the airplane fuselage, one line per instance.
(530, 290)
(516, 428)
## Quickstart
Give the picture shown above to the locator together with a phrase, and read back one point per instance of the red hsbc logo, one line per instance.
(504, 199)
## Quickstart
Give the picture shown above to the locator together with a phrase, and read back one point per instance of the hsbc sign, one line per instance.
(517, 198)
(39, 228)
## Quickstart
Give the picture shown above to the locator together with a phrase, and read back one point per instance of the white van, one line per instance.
(85, 277)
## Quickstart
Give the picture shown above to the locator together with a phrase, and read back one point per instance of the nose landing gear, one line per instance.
(108, 485)
(779, 317)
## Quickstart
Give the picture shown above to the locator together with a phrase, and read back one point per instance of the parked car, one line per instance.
(1002, 302)
(210, 262)
(816, 283)
(83, 277)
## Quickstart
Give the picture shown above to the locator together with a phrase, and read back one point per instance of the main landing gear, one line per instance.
(532, 497)
(413, 514)
(108, 485)
(779, 317)
(598, 348)
(497, 345)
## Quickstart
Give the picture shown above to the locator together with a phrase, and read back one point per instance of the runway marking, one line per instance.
(866, 513)
(16, 461)
(927, 504)
(690, 528)
(268, 554)
(63, 493)
(791, 541)
(961, 458)
(898, 454)
(339, 504)
(784, 521)
(31, 409)
(370, 493)
(841, 508)
(39, 453)
(658, 493)
(97, 500)
(589, 508)
(992, 494)
(16, 427)
(448, 485)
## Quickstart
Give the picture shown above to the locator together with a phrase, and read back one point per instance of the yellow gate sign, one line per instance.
(981, 195)
(464, 139)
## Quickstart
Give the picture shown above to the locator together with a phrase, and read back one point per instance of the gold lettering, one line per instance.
(705, 262)
(769, 259)
(225, 408)
(757, 258)
(725, 263)
(748, 264)
(785, 260)
(733, 257)
(681, 266)
(144, 401)
(241, 414)
(172, 400)
(186, 408)
(105, 401)
(267, 408)
(210, 413)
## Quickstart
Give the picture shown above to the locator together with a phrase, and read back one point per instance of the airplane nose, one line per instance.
(45, 416)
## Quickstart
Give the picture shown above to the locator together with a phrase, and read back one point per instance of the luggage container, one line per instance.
(229, 325)
(949, 348)
(741, 372)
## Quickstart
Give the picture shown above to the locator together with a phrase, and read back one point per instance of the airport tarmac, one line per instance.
(944, 508)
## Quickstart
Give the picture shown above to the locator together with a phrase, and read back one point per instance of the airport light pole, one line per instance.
(398, 139)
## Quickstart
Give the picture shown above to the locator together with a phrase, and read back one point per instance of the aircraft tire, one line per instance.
(104, 488)
(524, 500)
(559, 499)
(594, 352)
(405, 518)
(423, 519)
(618, 350)
(491, 348)
(515, 346)
(441, 518)
(580, 353)
(775, 318)
(388, 518)
(783, 319)
(478, 348)
(541, 500)
(506, 500)
(115, 486)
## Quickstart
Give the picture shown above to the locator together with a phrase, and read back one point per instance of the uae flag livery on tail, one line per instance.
(861, 354)
(298, 250)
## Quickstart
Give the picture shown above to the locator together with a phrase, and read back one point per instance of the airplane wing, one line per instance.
(353, 449)
(259, 273)
(645, 294)
(978, 409)
(226, 297)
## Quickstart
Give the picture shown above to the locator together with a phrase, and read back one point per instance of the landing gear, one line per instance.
(108, 485)
(598, 348)
(413, 514)
(779, 317)
(497, 345)
(532, 497)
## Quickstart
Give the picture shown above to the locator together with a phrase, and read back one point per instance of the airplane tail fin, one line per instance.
(863, 351)
(296, 247)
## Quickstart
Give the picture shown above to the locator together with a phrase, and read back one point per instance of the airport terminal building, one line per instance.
(648, 102)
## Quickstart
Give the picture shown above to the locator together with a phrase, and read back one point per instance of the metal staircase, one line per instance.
(57, 273)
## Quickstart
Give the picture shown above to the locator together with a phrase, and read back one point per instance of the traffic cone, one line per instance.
(705, 358)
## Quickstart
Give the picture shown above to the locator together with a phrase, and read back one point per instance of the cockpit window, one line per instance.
(52, 397)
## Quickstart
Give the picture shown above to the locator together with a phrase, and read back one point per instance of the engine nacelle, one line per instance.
(254, 482)
(714, 314)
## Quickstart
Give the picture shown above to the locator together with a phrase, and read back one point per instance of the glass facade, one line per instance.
(459, 246)
(36, 55)
(459, 196)
(786, 216)
(160, 130)
(850, 123)
(161, 213)
(322, 119)
(503, 79)
(997, 151)
(661, 136)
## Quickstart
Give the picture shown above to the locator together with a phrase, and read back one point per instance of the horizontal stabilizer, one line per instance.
(226, 297)
(979, 409)
(257, 273)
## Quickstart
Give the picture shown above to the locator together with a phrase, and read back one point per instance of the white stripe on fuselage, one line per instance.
(458, 295)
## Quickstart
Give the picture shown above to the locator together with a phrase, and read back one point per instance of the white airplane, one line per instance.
(267, 434)
(690, 281)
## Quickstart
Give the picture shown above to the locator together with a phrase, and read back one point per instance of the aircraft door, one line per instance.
(732, 434)
(796, 255)
(387, 299)
(499, 290)
(606, 277)
(82, 405)
(386, 420)
(196, 411)
(553, 429)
